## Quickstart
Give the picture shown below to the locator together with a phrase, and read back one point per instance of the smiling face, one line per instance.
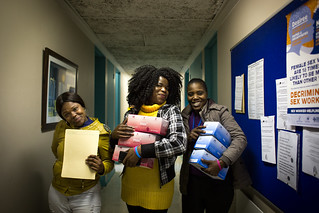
(196, 96)
(160, 92)
(74, 114)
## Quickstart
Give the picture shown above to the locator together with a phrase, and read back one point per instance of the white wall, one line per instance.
(27, 27)
(244, 18)
(124, 92)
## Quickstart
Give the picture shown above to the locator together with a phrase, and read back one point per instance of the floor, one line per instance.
(111, 193)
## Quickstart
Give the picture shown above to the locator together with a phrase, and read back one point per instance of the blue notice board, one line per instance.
(269, 42)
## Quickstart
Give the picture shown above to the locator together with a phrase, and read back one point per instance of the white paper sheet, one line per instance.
(239, 92)
(256, 89)
(281, 91)
(310, 151)
(288, 158)
(78, 145)
(268, 147)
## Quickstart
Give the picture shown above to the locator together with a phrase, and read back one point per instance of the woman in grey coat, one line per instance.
(199, 191)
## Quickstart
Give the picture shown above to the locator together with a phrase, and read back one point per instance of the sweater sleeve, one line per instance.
(238, 138)
(105, 152)
(57, 138)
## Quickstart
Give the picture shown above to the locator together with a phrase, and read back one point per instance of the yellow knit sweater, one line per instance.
(141, 186)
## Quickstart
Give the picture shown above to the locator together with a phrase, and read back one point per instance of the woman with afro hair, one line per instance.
(152, 92)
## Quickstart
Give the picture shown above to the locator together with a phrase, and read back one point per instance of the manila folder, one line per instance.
(78, 145)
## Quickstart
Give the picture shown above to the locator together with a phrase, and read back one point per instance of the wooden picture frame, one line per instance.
(59, 76)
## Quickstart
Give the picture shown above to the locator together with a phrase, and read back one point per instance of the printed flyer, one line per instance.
(303, 65)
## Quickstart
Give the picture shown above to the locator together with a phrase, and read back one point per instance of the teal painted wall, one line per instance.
(210, 63)
(110, 102)
(195, 70)
(99, 86)
(211, 68)
(117, 97)
(99, 97)
(186, 80)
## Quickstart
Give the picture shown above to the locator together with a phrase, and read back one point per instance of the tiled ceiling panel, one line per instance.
(157, 32)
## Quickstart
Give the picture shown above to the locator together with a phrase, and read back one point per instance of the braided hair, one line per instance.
(144, 80)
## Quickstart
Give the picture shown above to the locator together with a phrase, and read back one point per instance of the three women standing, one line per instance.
(152, 92)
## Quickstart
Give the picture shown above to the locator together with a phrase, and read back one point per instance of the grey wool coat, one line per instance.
(215, 112)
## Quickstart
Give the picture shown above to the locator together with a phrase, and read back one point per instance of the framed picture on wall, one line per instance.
(59, 76)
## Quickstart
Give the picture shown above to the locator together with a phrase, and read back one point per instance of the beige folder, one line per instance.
(78, 145)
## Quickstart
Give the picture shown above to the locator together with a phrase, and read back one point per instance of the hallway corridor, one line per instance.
(111, 194)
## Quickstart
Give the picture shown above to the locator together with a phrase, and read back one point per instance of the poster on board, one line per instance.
(302, 65)
(256, 101)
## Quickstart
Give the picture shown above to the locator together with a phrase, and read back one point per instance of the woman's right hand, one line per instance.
(122, 131)
(131, 158)
(194, 134)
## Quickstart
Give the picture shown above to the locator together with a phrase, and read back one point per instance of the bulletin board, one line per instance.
(269, 42)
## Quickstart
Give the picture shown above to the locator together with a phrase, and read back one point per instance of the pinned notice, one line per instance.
(288, 158)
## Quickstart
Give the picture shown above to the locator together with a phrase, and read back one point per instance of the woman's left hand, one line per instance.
(213, 168)
(95, 163)
(131, 158)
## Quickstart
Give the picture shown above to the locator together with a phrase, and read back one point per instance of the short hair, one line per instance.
(144, 80)
(67, 97)
(198, 80)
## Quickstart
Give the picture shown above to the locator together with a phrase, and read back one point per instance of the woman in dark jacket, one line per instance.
(199, 191)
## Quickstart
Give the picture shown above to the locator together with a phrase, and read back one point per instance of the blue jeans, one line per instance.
(88, 201)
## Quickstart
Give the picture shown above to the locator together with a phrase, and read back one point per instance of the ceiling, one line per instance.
(157, 32)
